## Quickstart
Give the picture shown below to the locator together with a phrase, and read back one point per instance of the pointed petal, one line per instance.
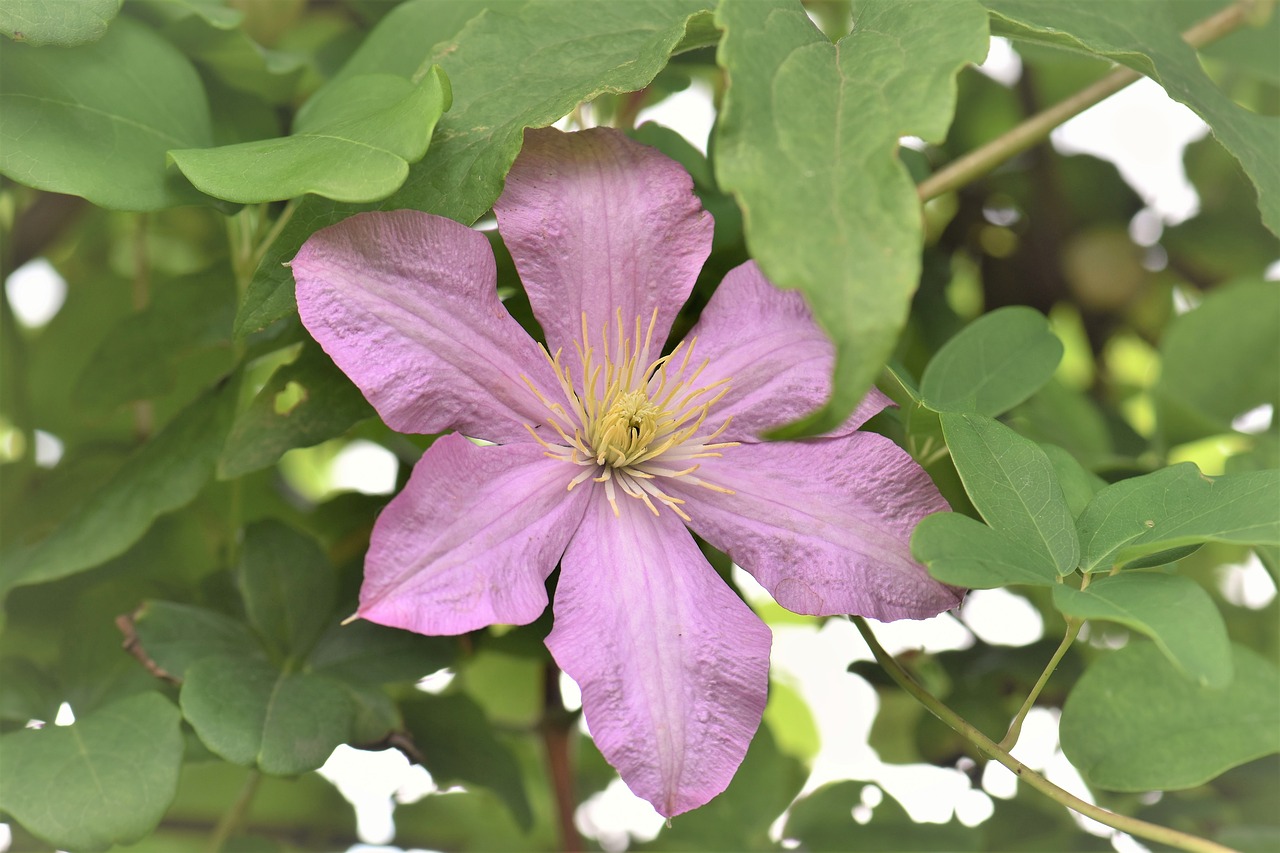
(406, 304)
(823, 524)
(674, 668)
(471, 539)
(777, 359)
(596, 223)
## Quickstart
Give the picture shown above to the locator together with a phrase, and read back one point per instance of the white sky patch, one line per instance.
(436, 682)
(615, 816)
(1255, 421)
(1143, 131)
(570, 693)
(1003, 63)
(1272, 272)
(1247, 584)
(363, 466)
(65, 715)
(49, 449)
(999, 781)
(1001, 618)
(369, 780)
(36, 291)
(688, 112)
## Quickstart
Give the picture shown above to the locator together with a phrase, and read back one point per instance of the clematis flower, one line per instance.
(602, 449)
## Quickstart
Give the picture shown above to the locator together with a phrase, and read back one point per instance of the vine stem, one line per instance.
(1015, 728)
(235, 815)
(1124, 823)
(1034, 130)
(557, 723)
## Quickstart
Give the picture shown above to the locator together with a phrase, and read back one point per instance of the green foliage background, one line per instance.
(168, 156)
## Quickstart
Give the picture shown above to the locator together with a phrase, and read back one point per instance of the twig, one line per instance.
(1131, 825)
(235, 815)
(1015, 728)
(1034, 130)
(557, 723)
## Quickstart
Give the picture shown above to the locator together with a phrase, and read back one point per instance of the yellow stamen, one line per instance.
(627, 418)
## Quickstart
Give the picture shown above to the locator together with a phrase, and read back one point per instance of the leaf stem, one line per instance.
(235, 815)
(1037, 128)
(1015, 728)
(1124, 823)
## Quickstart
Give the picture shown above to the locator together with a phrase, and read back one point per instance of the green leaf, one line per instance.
(366, 653)
(287, 585)
(1133, 723)
(807, 140)
(1173, 611)
(250, 713)
(1219, 361)
(568, 52)
(993, 364)
(822, 821)
(1128, 32)
(964, 552)
(140, 356)
(458, 744)
(1079, 484)
(132, 88)
(1176, 507)
(107, 779)
(212, 36)
(174, 636)
(304, 403)
(353, 143)
(64, 23)
(1012, 483)
(164, 474)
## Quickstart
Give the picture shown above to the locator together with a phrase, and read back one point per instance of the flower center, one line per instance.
(631, 422)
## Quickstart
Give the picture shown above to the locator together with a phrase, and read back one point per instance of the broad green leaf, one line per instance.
(164, 474)
(353, 143)
(366, 653)
(1218, 361)
(96, 120)
(212, 36)
(287, 585)
(789, 719)
(1079, 484)
(1143, 37)
(280, 805)
(63, 23)
(173, 636)
(1133, 723)
(1177, 507)
(568, 51)
(140, 357)
(1173, 611)
(993, 364)
(964, 552)
(1012, 483)
(250, 712)
(304, 403)
(30, 692)
(739, 818)
(107, 779)
(458, 743)
(807, 141)
(823, 821)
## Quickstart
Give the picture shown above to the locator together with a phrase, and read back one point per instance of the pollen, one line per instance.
(630, 420)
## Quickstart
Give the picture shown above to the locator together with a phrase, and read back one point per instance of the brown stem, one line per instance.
(557, 727)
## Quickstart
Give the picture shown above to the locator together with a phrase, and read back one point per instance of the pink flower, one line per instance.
(603, 450)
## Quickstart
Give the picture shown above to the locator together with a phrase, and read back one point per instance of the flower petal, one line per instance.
(674, 668)
(823, 524)
(777, 359)
(406, 304)
(471, 538)
(598, 223)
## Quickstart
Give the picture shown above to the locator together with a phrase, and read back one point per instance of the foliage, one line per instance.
(168, 158)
